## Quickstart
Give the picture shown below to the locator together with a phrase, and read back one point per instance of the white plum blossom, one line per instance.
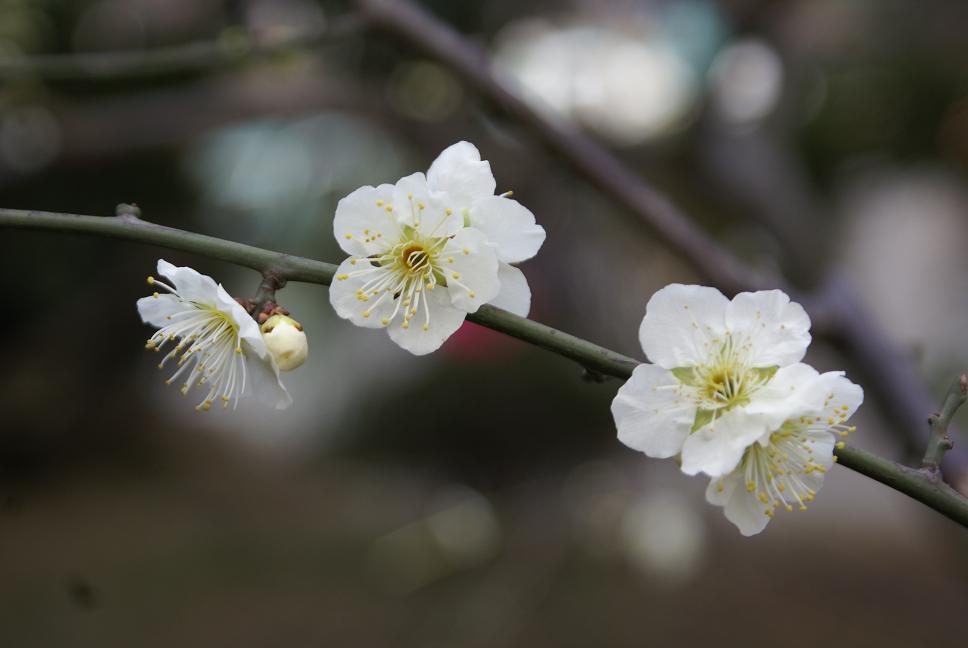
(725, 373)
(784, 469)
(466, 184)
(215, 343)
(415, 269)
(431, 249)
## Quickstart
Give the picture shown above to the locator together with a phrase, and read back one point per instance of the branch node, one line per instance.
(264, 302)
(128, 212)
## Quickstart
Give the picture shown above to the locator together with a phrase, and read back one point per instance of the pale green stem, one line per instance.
(918, 484)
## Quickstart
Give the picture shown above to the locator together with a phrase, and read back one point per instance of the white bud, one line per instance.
(286, 341)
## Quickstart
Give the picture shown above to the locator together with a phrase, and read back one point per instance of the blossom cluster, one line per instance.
(728, 395)
(725, 393)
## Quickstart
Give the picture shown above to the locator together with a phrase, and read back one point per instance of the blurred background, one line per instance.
(478, 496)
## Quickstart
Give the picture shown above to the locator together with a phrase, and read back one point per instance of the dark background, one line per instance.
(478, 496)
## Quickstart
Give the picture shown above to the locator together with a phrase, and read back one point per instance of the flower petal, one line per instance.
(344, 294)
(460, 172)
(790, 393)
(745, 511)
(777, 330)
(442, 322)
(649, 413)
(840, 397)
(515, 295)
(362, 225)
(681, 324)
(721, 489)
(470, 267)
(264, 382)
(156, 310)
(716, 448)
(190, 284)
(509, 226)
(427, 211)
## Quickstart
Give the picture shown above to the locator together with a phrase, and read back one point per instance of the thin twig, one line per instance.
(938, 441)
(599, 360)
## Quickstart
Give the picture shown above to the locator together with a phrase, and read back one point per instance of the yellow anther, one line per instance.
(472, 294)
(467, 251)
(366, 231)
(763, 498)
(448, 211)
(406, 324)
(421, 205)
(720, 488)
(450, 259)
(840, 445)
(409, 196)
(385, 321)
(388, 208)
(348, 236)
(366, 314)
(426, 327)
(803, 508)
(789, 508)
(342, 277)
(750, 486)
(151, 280)
(455, 275)
(352, 261)
(155, 295)
(379, 203)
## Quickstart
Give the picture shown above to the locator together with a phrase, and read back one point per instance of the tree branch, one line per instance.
(128, 225)
(939, 442)
(230, 50)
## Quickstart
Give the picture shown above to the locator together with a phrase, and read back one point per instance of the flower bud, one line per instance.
(286, 341)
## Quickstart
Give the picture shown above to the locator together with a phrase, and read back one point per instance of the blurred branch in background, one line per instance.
(923, 485)
(233, 47)
(835, 310)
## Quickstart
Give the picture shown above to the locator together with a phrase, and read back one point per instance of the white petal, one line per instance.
(248, 329)
(509, 226)
(515, 295)
(777, 329)
(470, 267)
(460, 172)
(650, 415)
(716, 448)
(721, 489)
(428, 211)
(362, 225)
(263, 379)
(682, 324)
(746, 511)
(190, 284)
(792, 392)
(444, 320)
(840, 397)
(346, 303)
(156, 310)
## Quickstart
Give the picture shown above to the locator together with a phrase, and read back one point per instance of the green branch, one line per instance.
(922, 485)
